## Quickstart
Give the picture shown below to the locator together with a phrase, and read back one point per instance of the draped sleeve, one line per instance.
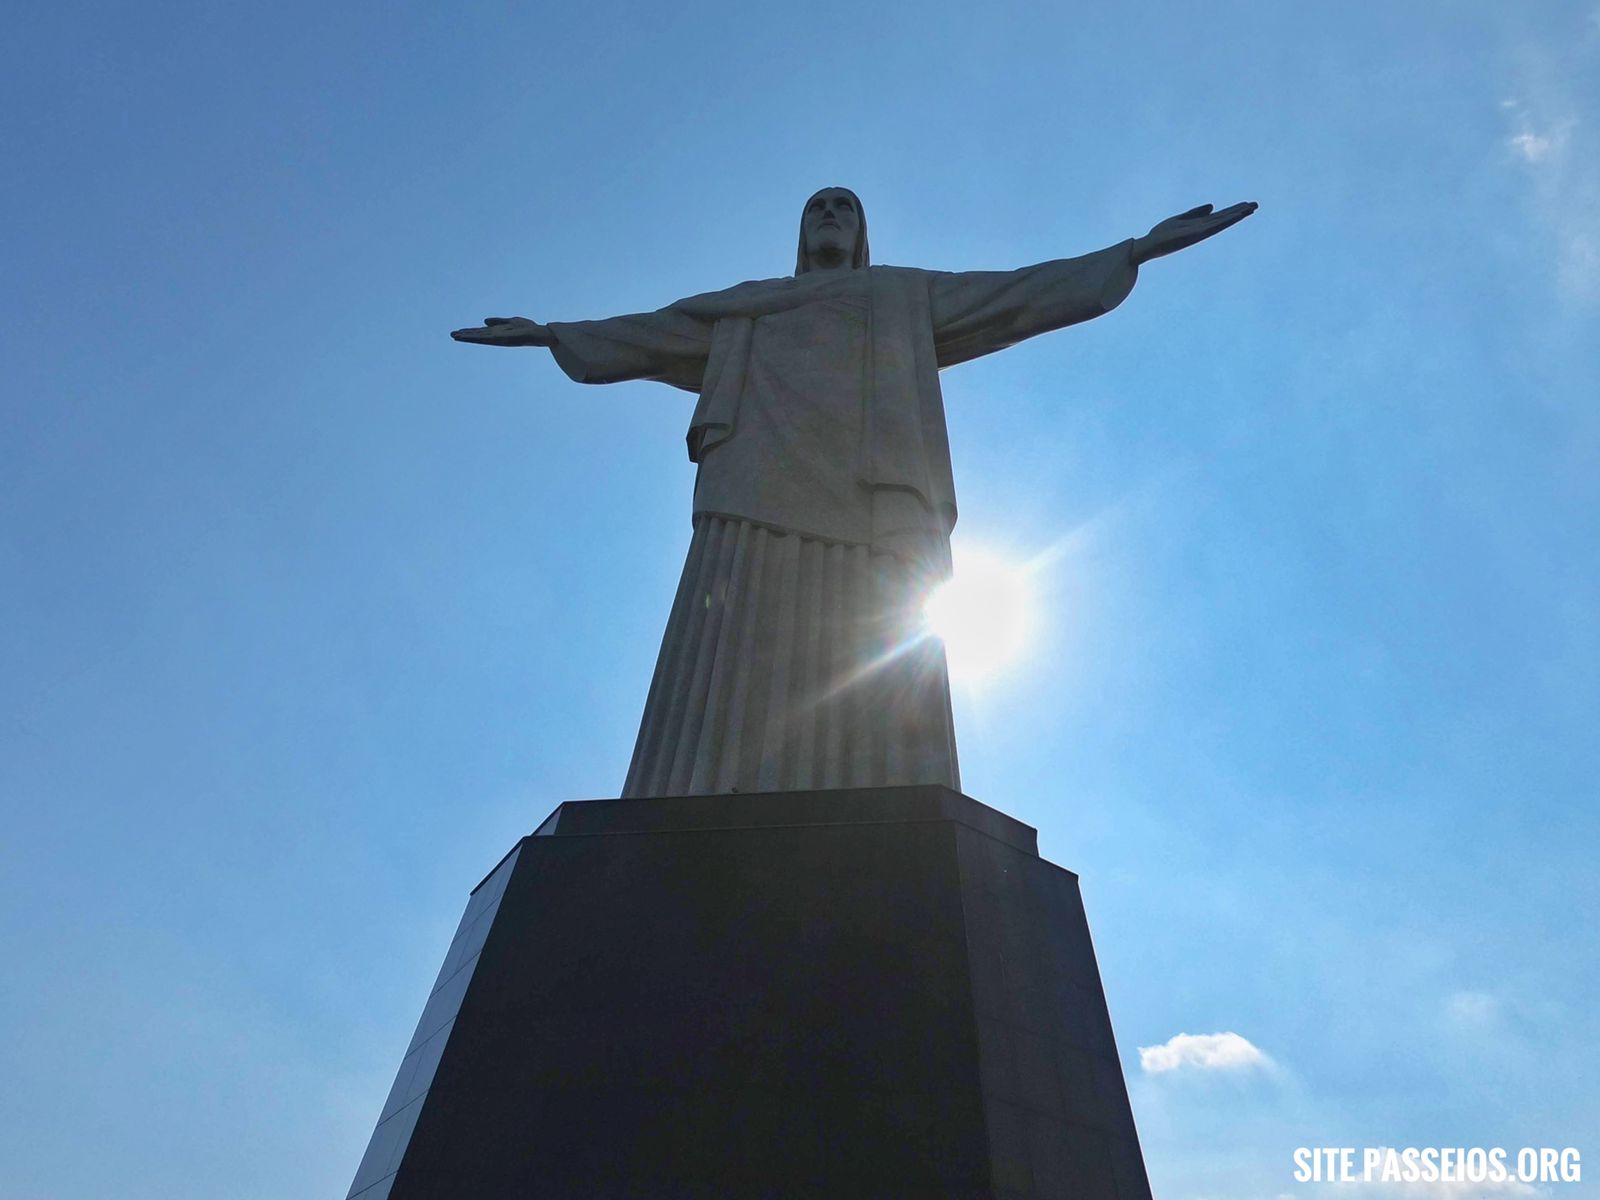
(667, 346)
(978, 312)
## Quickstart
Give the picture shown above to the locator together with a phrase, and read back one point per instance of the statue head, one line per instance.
(833, 231)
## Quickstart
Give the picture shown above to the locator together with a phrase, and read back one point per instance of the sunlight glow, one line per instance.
(983, 615)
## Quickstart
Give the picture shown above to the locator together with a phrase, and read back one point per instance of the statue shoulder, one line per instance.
(911, 285)
(735, 300)
(903, 279)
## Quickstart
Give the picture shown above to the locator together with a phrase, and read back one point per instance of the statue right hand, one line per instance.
(506, 331)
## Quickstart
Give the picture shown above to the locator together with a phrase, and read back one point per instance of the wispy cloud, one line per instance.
(1439, 1189)
(1551, 136)
(1537, 147)
(1203, 1052)
(1472, 1011)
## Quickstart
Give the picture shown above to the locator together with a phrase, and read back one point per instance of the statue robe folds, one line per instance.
(822, 512)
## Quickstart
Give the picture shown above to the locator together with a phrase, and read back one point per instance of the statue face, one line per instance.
(831, 225)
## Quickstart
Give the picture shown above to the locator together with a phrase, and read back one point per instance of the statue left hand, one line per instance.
(1187, 228)
(506, 331)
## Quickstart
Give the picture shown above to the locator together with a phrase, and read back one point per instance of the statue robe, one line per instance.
(823, 507)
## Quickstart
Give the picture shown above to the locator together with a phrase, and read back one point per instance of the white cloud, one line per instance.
(1472, 1011)
(1536, 147)
(1495, 1026)
(1544, 127)
(1552, 138)
(1203, 1052)
(1455, 1189)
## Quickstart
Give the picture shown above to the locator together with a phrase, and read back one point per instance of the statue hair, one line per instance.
(859, 257)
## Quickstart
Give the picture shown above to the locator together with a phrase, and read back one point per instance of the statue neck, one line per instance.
(830, 260)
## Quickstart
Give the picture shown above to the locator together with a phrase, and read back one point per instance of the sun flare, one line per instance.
(983, 614)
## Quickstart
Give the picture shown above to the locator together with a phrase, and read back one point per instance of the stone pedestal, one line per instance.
(875, 993)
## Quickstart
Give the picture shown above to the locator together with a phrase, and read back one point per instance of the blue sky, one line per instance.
(307, 613)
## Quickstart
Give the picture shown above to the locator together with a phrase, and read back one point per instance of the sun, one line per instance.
(983, 614)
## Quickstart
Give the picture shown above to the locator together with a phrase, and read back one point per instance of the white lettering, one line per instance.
(1477, 1165)
(1437, 1164)
(1370, 1158)
(1302, 1165)
(1410, 1171)
(1571, 1169)
(1430, 1165)
(1497, 1166)
(1391, 1166)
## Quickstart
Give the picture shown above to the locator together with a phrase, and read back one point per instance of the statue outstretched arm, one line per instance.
(668, 346)
(980, 312)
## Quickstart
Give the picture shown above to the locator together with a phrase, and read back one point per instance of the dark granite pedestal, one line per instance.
(877, 993)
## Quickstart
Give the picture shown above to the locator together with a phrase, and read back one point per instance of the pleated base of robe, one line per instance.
(790, 664)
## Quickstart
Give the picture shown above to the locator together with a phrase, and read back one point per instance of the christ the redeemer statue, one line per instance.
(793, 658)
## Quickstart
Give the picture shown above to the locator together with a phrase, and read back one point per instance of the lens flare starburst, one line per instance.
(983, 614)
